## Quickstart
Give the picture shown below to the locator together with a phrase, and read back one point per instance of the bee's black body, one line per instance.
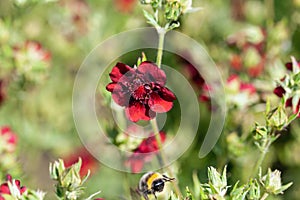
(152, 182)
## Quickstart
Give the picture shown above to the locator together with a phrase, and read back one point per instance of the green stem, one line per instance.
(126, 185)
(270, 9)
(161, 37)
(159, 142)
(265, 196)
(264, 150)
(161, 34)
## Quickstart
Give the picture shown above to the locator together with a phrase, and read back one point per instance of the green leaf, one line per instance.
(151, 19)
(189, 195)
(93, 195)
(172, 25)
(292, 118)
(284, 187)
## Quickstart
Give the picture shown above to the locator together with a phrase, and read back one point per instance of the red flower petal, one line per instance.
(158, 104)
(232, 78)
(279, 91)
(125, 5)
(4, 189)
(152, 73)
(236, 62)
(89, 163)
(110, 87)
(248, 87)
(289, 65)
(140, 92)
(23, 189)
(137, 111)
(167, 94)
(118, 71)
(120, 96)
(288, 102)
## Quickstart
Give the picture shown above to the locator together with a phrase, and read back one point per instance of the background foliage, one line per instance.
(37, 103)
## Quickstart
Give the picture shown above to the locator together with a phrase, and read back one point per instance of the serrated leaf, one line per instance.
(151, 19)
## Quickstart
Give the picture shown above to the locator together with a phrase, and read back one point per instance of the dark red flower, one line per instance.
(292, 97)
(289, 65)
(88, 161)
(4, 188)
(141, 90)
(140, 155)
(279, 91)
(9, 137)
(289, 103)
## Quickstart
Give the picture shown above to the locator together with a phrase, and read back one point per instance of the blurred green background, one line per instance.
(40, 111)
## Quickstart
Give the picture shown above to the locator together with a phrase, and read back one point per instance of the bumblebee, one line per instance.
(151, 183)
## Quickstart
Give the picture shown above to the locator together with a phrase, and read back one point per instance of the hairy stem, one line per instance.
(163, 157)
(265, 148)
(161, 37)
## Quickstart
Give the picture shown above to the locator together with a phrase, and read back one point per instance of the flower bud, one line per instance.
(173, 11)
(277, 118)
(272, 182)
(218, 181)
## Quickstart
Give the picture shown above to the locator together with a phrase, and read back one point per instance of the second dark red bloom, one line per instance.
(141, 90)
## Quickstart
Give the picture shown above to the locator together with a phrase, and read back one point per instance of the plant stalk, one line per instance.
(159, 142)
(161, 38)
(265, 149)
(265, 196)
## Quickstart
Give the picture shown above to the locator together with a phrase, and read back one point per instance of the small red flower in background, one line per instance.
(194, 75)
(88, 161)
(234, 83)
(16, 184)
(32, 51)
(78, 13)
(2, 92)
(125, 5)
(280, 91)
(149, 145)
(251, 55)
(141, 90)
(8, 139)
(32, 60)
(238, 93)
